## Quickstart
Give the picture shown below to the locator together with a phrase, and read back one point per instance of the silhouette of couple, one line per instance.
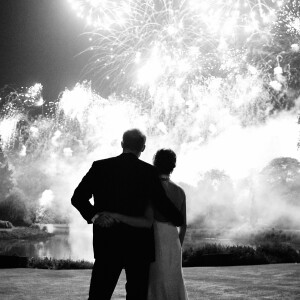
(136, 212)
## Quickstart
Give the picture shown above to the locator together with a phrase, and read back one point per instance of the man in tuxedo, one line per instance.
(128, 186)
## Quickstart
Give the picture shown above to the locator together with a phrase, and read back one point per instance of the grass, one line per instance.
(276, 282)
(59, 264)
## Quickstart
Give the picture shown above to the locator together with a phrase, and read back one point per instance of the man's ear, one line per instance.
(143, 148)
(122, 144)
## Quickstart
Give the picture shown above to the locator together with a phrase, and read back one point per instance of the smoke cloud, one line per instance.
(221, 147)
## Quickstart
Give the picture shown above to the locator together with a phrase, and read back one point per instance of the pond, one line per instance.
(66, 243)
(75, 242)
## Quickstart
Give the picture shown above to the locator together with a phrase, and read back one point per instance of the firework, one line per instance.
(143, 41)
(288, 23)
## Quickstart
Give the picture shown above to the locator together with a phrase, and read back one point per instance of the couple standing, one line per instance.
(135, 213)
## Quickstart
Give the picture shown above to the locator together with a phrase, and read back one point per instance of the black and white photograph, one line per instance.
(149, 149)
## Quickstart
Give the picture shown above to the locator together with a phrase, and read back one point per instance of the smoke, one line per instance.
(222, 145)
(237, 198)
(217, 165)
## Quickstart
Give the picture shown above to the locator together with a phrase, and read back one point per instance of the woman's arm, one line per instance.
(145, 221)
(182, 228)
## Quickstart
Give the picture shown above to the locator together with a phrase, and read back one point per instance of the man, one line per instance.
(128, 186)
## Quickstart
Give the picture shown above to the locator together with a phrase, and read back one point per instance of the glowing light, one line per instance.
(34, 130)
(68, 152)
(55, 138)
(46, 198)
(35, 90)
(252, 70)
(23, 151)
(40, 102)
(278, 71)
(102, 14)
(138, 57)
(295, 24)
(74, 102)
(295, 47)
(150, 72)
(131, 28)
(277, 86)
(7, 129)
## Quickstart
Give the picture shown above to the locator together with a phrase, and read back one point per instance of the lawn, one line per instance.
(277, 281)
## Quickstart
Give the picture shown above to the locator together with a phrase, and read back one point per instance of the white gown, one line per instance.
(166, 278)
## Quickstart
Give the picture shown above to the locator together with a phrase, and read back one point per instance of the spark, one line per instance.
(23, 151)
(68, 152)
(34, 91)
(34, 131)
(7, 129)
(277, 86)
(40, 102)
(295, 47)
(289, 18)
(131, 28)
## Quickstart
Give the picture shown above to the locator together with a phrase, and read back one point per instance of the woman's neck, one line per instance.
(164, 176)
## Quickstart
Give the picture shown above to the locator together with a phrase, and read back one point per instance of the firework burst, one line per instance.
(139, 42)
(288, 24)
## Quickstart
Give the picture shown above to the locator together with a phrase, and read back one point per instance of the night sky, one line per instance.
(40, 40)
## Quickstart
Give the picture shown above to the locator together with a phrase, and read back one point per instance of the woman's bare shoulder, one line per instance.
(177, 188)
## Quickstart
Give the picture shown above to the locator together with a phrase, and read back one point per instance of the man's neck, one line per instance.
(137, 154)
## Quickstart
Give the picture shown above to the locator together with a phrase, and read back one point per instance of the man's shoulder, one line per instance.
(147, 166)
(105, 161)
(115, 161)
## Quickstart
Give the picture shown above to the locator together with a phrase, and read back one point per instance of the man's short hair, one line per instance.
(134, 140)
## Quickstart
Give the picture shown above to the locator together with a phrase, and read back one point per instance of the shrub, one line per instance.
(13, 209)
(24, 233)
(58, 264)
(5, 224)
(278, 253)
(219, 255)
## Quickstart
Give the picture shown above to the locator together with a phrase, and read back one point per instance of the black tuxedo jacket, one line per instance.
(126, 185)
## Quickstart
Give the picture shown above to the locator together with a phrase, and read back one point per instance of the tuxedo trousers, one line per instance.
(106, 272)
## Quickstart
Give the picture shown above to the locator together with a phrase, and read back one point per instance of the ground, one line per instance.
(281, 281)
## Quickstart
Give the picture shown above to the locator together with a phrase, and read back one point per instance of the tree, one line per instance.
(6, 180)
(282, 177)
(278, 56)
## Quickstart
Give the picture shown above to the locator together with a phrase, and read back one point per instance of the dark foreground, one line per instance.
(280, 281)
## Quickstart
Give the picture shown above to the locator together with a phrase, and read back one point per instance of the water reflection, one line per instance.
(64, 244)
(75, 242)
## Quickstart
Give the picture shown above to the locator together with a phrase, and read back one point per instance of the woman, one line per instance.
(165, 277)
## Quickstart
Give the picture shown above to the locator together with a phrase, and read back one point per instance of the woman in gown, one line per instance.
(165, 275)
(166, 279)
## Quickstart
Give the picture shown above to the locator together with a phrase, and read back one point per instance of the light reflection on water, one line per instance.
(75, 242)
(65, 244)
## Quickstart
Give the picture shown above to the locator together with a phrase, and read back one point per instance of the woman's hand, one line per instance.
(105, 219)
(145, 221)
(111, 216)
